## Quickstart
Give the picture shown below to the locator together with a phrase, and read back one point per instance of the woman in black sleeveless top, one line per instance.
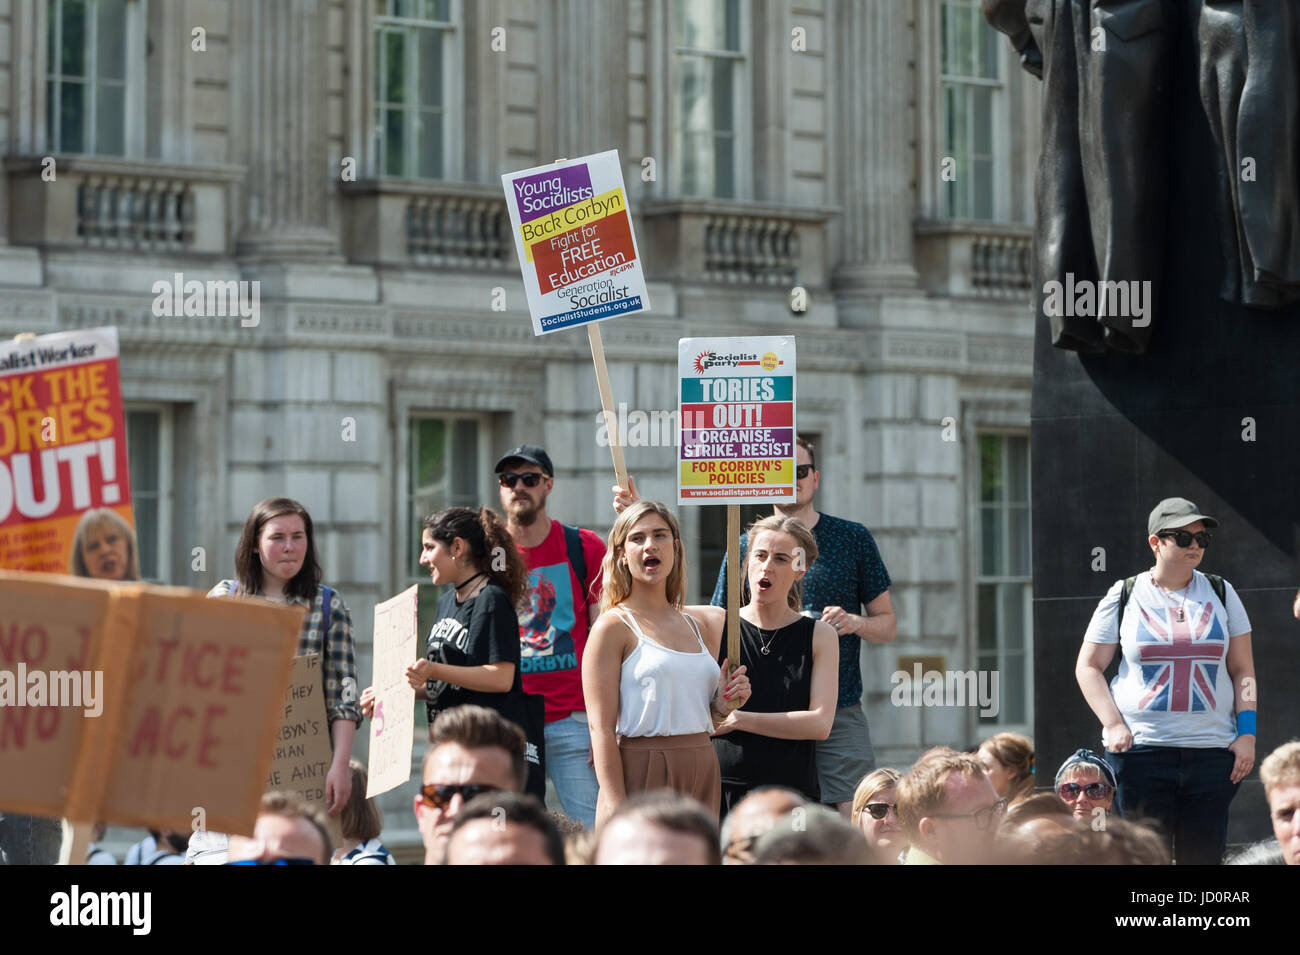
(793, 667)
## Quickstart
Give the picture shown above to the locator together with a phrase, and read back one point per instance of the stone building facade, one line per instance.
(346, 155)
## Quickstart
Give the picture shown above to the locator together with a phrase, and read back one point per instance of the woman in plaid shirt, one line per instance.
(276, 559)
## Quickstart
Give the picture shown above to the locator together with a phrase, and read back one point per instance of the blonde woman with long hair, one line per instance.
(649, 673)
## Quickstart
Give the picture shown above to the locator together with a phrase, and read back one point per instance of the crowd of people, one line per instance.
(557, 655)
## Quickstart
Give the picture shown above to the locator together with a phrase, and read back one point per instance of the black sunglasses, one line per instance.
(802, 470)
(531, 479)
(439, 797)
(1185, 538)
(879, 810)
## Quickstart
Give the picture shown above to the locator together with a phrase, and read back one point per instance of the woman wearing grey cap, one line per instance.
(1178, 722)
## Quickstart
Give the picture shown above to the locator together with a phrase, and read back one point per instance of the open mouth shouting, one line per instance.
(763, 584)
(651, 563)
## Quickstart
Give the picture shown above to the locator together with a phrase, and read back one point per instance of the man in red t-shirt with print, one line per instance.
(564, 598)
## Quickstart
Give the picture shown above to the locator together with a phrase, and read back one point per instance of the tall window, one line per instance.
(149, 451)
(447, 468)
(86, 89)
(708, 76)
(412, 75)
(972, 86)
(1003, 583)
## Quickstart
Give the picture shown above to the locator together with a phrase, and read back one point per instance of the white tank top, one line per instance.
(663, 692)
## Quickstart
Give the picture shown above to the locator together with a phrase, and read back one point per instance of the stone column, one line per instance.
(873, 77)
(582, 108)
(279, 128)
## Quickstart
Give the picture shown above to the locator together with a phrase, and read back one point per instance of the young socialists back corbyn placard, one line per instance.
(574, 238)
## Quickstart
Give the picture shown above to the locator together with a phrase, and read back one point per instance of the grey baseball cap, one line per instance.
(530, 453)
(1176, 512)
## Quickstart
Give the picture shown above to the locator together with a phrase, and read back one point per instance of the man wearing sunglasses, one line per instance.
(472, 750)
(949, 811)
(847, 576)
(287, 832)
(564, 599)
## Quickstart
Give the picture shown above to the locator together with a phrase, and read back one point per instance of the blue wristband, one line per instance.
(1246, 723)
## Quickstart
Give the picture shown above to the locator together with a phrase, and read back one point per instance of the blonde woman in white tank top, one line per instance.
(650, 674)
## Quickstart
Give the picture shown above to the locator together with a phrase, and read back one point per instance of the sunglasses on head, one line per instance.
(1185, 538)
(1070, 791)
(879, 810)
(802, 470)
(531, 479)
(439, 797)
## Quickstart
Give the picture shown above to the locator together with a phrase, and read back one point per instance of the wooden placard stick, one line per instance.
(733, 589)
(607, 402)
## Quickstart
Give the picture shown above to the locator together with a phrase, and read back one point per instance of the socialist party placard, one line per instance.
(575, 242)
(62, 444)
(736, 413)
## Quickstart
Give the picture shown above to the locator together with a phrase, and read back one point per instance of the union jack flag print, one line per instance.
(1180, 661)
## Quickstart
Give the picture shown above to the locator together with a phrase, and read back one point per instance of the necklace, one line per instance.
(1169, 598)
(766, 647)
(466, 581)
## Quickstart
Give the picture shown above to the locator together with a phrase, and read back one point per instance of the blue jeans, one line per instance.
(1186, 790)
(29, 840)
(568, 743)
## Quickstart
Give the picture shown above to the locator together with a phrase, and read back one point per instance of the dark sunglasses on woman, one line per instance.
(1185, 538)
(879, 810)
(531, 479)
(1070, 791)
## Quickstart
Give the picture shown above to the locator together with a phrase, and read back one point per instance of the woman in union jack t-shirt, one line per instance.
(1178, 721)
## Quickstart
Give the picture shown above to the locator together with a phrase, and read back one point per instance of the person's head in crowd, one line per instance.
(1008, 758)
(781, 549)
(658, 554)
(756, 813)
(658, 828)
(812, 835)
(1086, 783)
(1029, 822)
(472, 750)
(504, 828)
(276, 553)
(875, 813)
(1280, 774)
(805, 487)
(360, 820)
(287, 832)
(526, 478)
(949, 810)
(1119, 842)
(104, 547)
(459, 542)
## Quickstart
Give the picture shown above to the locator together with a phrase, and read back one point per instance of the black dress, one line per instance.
(780, 682)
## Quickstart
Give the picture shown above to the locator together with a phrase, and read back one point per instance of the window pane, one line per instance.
(72, 117)
(989, 41)
(110, 38)
(693, 93)
(1011, 615)
(723, 108)
(981, 113)
(110, 120)
(438, 10)
(142, 437)
(430, 144)
(707, 24)
(1012, 684)
(394, 143)
(724, 168)
(72, 59)
(987, 611)
(429, 67)
(393, 83)
(464, 463)
(991, 542)
(1017, 470)
(1018, 518)
(990, 467)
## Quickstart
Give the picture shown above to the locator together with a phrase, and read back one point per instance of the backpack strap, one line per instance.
(1124, 594)
(1220, 588)
(327, 608)
(577, 560)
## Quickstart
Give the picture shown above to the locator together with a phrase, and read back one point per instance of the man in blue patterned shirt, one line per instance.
(847, 576)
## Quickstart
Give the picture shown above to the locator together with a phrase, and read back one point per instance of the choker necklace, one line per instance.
(467, 580)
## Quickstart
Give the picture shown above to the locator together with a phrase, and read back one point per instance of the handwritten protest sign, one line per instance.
(575, 242)
(62, 444)
(185, 701)
(392, 728)
(736, 412)
(302, 742)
